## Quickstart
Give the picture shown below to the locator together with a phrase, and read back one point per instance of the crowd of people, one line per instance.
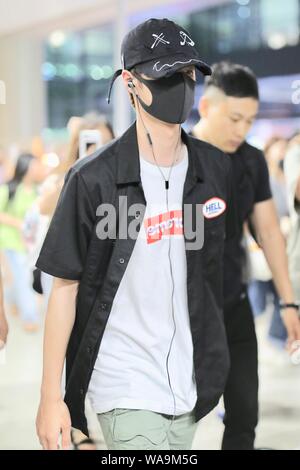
(29, 192)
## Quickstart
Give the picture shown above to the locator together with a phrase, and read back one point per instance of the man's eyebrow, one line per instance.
(236, 113)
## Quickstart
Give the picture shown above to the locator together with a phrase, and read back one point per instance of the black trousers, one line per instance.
(241, 391)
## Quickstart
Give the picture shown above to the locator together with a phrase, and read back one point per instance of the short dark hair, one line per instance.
(233, 79)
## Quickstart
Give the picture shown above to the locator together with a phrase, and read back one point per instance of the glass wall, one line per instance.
(261, 33)
(246, 24)
(77, 70)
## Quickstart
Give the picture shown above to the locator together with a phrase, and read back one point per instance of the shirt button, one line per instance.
(81, 391)
(89, 349)
(121, 260)
(103, 306)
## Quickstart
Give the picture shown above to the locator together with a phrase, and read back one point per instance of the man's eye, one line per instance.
(190, 73)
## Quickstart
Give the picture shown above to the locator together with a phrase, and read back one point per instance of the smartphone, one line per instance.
(88, 138)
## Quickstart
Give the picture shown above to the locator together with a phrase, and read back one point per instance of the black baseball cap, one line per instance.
(158, 48)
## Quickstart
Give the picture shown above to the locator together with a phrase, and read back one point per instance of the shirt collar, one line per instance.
(128, 162)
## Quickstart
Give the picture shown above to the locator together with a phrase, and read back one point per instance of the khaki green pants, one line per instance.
(125, 429)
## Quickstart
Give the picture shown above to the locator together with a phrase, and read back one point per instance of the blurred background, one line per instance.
(56, 62)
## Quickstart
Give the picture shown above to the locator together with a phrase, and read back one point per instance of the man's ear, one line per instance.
(127, 77)
(203, 106)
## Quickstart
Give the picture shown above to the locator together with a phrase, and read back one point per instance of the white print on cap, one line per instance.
(186, 39)
(213, 207)
(158, 39)
(158, 69)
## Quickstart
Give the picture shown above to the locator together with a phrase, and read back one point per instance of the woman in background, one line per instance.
(16, 197)
(292, 174)
(261, 291)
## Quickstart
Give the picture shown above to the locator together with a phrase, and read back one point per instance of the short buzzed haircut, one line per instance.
(233, 79)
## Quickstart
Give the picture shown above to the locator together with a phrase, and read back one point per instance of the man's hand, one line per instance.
(52, 420)
(292, 323)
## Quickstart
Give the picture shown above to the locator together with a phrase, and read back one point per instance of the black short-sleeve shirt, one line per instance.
(74, 250)
(66, 244)
(251, 185)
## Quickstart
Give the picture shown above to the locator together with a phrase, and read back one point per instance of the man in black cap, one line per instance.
(137, 299)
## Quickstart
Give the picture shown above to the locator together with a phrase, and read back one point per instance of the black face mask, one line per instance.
(172, 97)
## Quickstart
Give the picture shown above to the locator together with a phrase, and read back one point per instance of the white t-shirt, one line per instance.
(131, 367)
